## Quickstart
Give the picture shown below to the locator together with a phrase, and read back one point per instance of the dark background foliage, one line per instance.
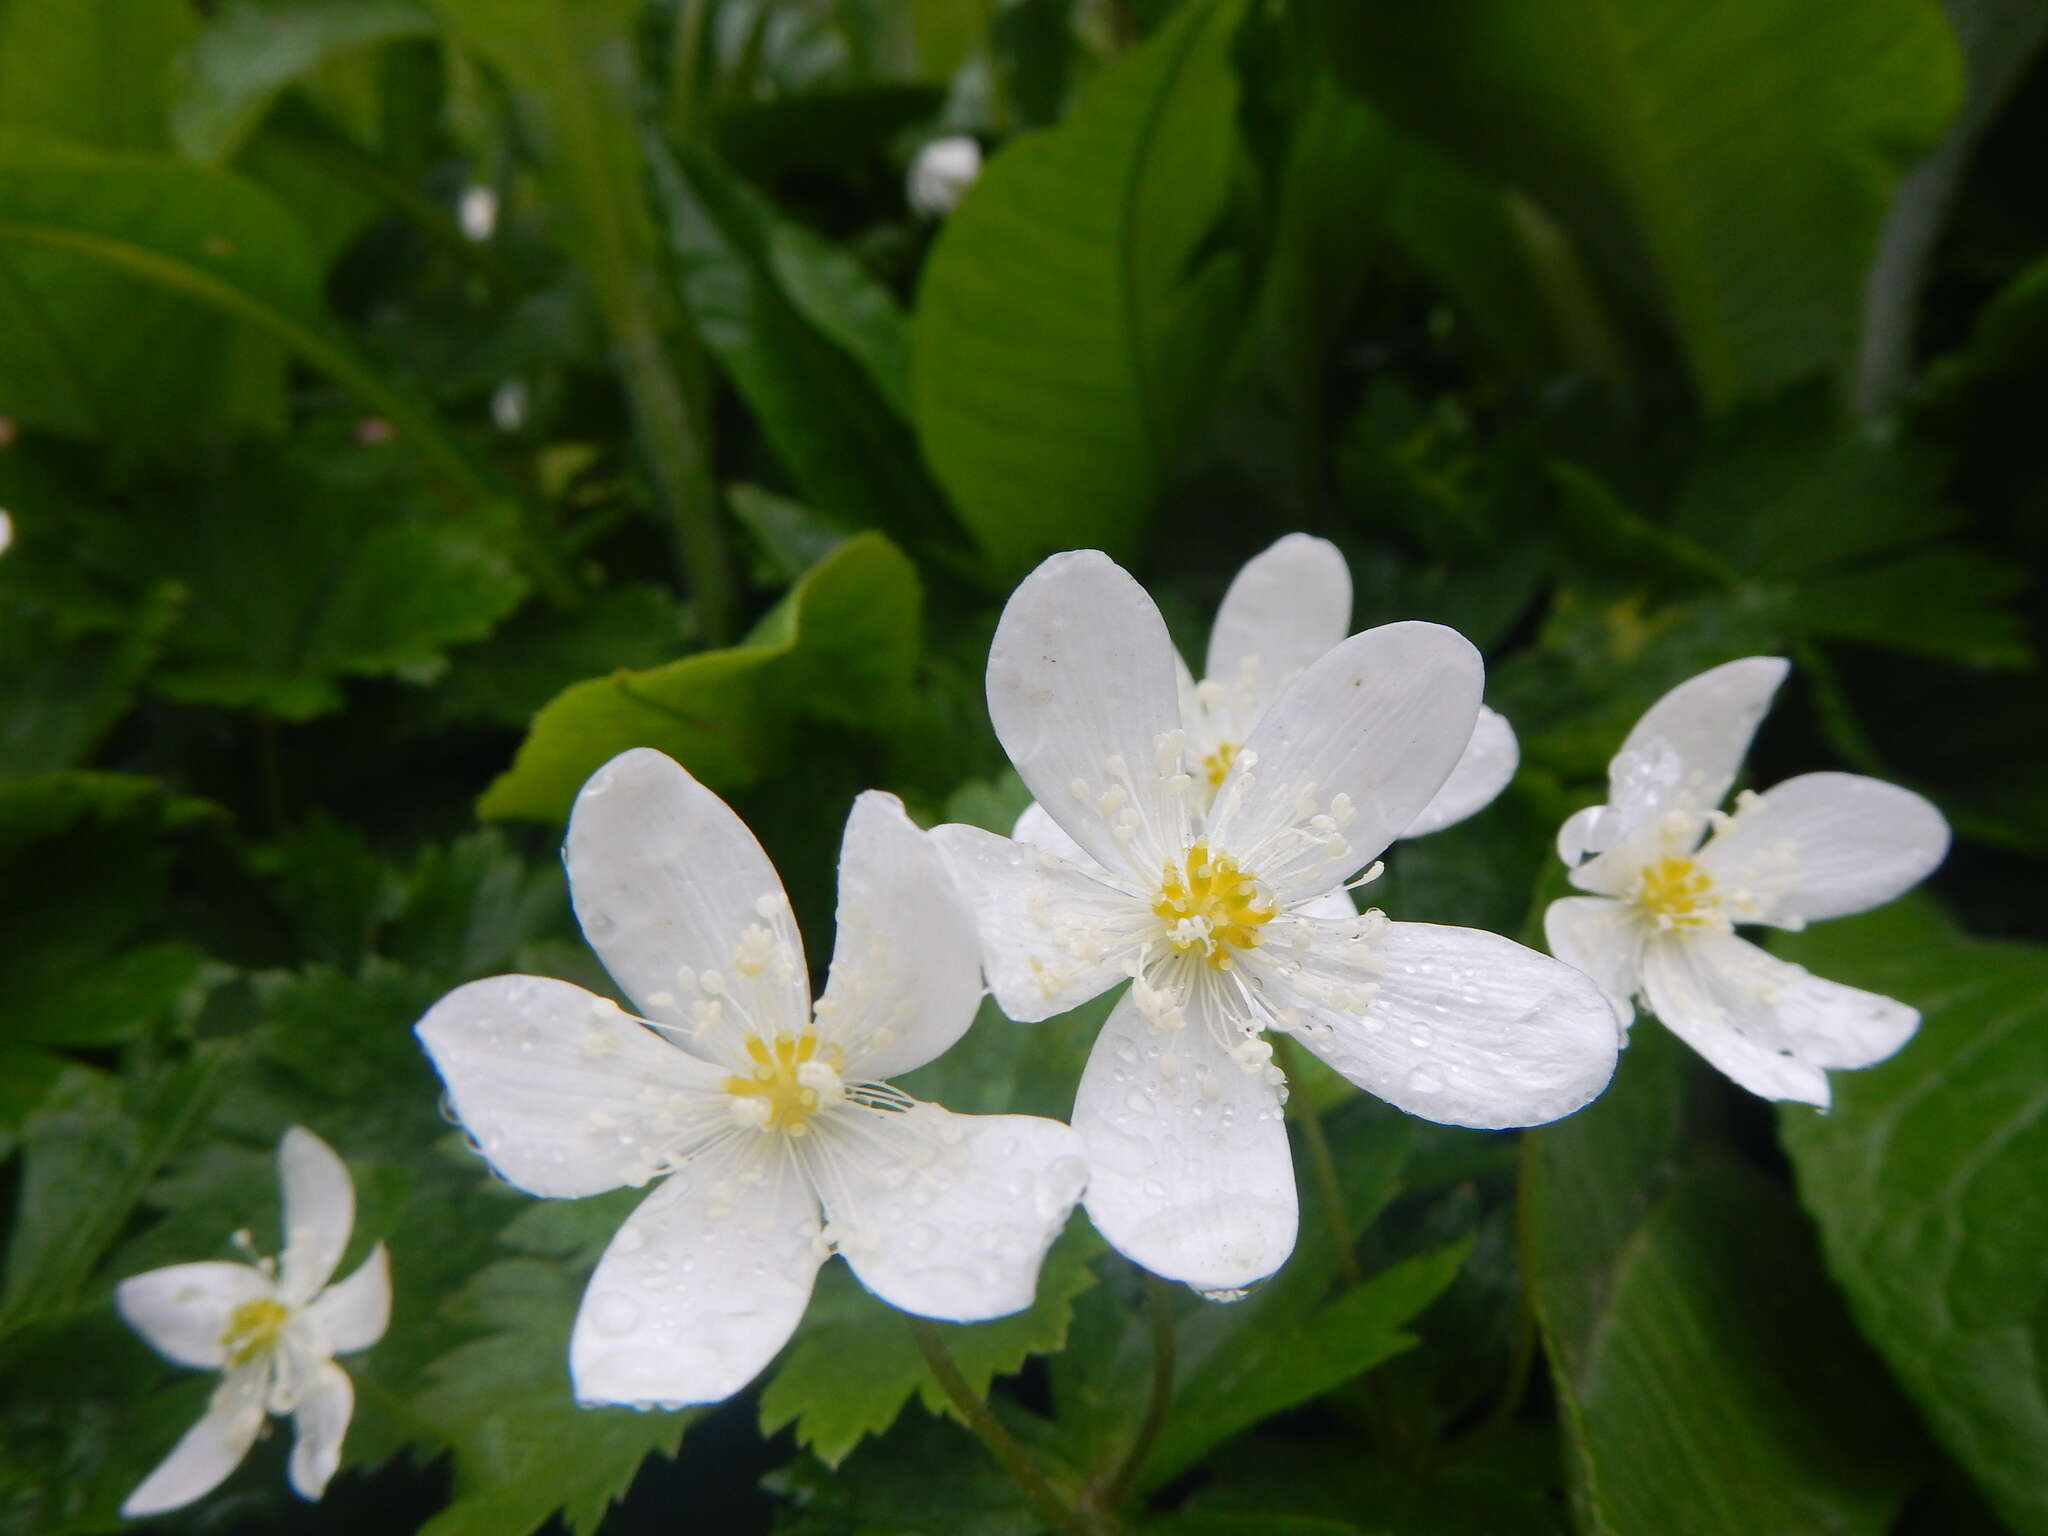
(406, 404)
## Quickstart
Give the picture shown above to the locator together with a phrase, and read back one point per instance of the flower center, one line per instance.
(1677, 893)
(1217, 764)
(793, 1078)
(252, 1329)
(1209, 904)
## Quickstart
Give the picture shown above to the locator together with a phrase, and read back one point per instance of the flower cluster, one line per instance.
(1194, 842)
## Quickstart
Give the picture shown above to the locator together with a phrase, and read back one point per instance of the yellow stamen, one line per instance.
(1677, 892)
(252, 1329)
(775, 1079)
(1217, 764)
(1209, 904)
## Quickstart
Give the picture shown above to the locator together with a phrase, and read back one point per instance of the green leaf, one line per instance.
(812, 344)
(841, 646)
(1641, 128)
(1691, 1405)
(1200, 1522)
(248, 54)
(1288, 1362)
(853, 1366)
(1064, 333)
(1929, 1179)
(92, 74)
(63, 684)
(1944, 603)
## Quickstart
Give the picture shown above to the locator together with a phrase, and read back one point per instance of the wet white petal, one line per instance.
(1189, 1169)
(1286, 607)
(947, 1215)
(906, 966)
(182, 1311)
(1334, 905)
(1458, 1026)
(1051, 936)
(665, 877)
(1082, 693)
(1770, 1025)
(210, 1449)
(1828, 844)
(319, 1423)
(1039, 830)
(1687, 748)
(563, 1092)
(1349, 756)
(1598, 936)
(353, 1314)
(1490, 760)
(319, 1210)
(700, 1288)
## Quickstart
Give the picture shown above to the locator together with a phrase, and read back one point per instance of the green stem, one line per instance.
(988, 1429)
(1322, 1164)
(682, 475)
(1159, 1303)
(686, 68)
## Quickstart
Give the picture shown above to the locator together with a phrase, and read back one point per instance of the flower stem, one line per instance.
(988, 1429)
(1323, 1165)
(1159, 1303)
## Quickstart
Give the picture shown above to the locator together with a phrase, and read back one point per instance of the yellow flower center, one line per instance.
(777, 1079)
(252, 1329)
(1677, 892)
(1209, 904)
(1217, 764)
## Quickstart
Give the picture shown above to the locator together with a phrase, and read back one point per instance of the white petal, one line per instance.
(906, 967)
(210, 1449)
(1189, 1172)
(1051, 936)
(354, 1314)
(1365, 737)
(1332, 905)
(1689, 745)
(1039, 830)
(665, 877)
(1462, 1027)
(947, 1215)
(318, 1425)
(1082, 693)
(1770, 1025)
(1827, 844)
(557, 1086)
(1596, 935)
(1490, 760)
(1289, 604)
(181, 1312)
(319, 1210)
(700, 1288)
(1590, 830)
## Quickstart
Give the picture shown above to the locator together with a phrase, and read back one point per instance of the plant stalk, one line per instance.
(1323, 1165)
(1159, 1303)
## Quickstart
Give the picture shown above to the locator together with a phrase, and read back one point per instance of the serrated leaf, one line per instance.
(1929, 1179)
(853, 1366)
(840, 646)
(1058, 353)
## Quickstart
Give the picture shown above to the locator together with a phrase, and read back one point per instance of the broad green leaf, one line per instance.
(540, 651)
(1064, 332)
(1929, 1179)
(811, 343)
(64, 685)
(248, 54)
(1947, 603)
(1201, 1522)
(840, 647)
(853, 1366)
(1291, 1361)
(93, 74)
(928, 1474)
(1642, 127)
(1707, 1376)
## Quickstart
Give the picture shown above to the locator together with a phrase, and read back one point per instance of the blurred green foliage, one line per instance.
(407, 404)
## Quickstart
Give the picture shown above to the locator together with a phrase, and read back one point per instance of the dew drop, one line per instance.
(615, 1314)
(1424, 1081)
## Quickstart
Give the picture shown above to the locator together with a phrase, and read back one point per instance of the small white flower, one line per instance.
(272, 1329)
(762, 1111)
(1672, 876)
(1214, 903)
(941, 174)
(477, 211)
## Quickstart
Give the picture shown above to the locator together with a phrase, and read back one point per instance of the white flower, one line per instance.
(941, 174)
(1213, 903)
(272, 1329)
(759, 1109)
(1672, 876)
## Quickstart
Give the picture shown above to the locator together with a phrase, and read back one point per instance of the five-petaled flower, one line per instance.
(272, 1329)
(759, 1108)
(1672, 875)
(1212, 902)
